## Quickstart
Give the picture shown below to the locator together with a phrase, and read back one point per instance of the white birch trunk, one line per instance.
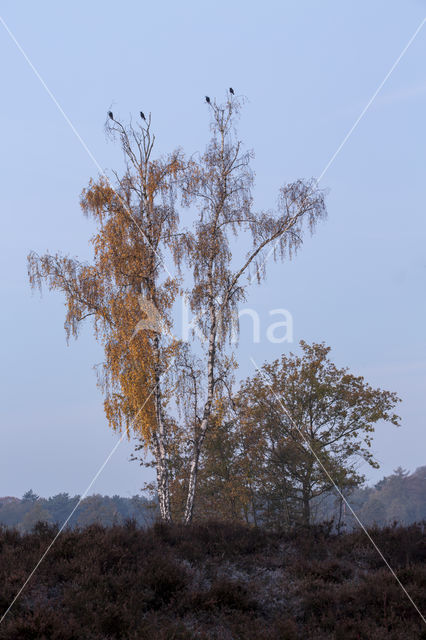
(199, 437)
(161, 447)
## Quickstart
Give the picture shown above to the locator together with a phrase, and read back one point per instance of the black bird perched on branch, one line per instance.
(111, 115)
(207, 99)
(142, 115)
(231, 90)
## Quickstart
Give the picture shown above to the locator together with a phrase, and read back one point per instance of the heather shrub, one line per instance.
(209, 581)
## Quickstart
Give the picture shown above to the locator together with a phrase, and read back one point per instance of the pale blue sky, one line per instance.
(308, 69)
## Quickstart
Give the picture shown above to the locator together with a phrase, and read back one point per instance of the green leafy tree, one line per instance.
(307, 415)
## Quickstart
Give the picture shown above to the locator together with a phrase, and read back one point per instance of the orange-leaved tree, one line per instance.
(136, 223)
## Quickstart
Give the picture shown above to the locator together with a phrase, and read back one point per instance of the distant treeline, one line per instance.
(24, 513)
(400, 497)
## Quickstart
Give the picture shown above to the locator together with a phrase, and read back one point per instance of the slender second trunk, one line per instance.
(193, 474)
(199, 437)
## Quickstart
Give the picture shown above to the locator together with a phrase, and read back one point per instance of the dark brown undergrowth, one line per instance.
(212, 580)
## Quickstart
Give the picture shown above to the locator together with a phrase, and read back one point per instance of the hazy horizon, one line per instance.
(308, 72)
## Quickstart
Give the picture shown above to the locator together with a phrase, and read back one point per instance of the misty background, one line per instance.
(308, 70)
